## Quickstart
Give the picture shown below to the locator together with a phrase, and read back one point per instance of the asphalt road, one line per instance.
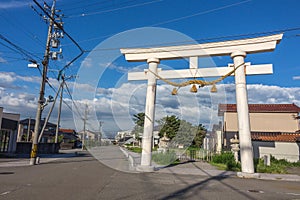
(86, 178)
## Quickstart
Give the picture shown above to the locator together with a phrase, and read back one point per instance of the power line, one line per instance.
(79, 2)
(200, 13)
(71, 97)
(18, 49)
(114, 9)
(86, 5)
(65, 33)
(55, 91)
(21, 27)
(212, 39)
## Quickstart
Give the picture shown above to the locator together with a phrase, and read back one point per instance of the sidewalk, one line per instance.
(44, 158)
(205, 169)
(113, 157)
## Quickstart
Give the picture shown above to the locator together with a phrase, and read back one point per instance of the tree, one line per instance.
(181, 131)
(201, 132)
(185, 134)
(169, 125)
(139, 119)
(139, 124)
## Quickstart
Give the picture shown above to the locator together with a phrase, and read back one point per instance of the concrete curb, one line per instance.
(130, 158)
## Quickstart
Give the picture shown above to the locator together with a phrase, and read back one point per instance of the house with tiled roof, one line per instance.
(274, 129)
(69, 138)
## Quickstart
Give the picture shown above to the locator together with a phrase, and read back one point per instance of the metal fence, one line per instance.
(196, 155)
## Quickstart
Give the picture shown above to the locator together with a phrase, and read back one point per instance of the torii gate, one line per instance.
(237, 49)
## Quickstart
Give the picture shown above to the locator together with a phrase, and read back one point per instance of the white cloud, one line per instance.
(116, 106)
(87, 62)
(10, 77)
(2, 60)
(13, 4)
(120, 69)
(7, 77)
(31, 79)
(296, 78)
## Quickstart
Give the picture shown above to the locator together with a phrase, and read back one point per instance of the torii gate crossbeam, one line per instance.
(237, 49)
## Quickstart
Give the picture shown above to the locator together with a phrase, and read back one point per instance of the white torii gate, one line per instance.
(237, 49)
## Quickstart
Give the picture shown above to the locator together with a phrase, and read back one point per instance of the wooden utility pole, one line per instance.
(41, 101)
(84, 126)
(59, 109)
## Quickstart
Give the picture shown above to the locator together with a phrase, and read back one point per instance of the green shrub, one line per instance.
(226, 158)
(164, 158)
(223, 157)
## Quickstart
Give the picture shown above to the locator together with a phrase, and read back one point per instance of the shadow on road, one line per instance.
(185, 193)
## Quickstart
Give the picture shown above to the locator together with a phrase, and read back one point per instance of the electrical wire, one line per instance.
(55, 91)
(71, 97)
(69, 7)
(200, 13)
(87, 5)
(65, 33)
(13, 21)
(28, 55)
(114, 9)
(212, 39)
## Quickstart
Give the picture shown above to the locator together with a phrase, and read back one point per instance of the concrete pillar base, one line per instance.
(144, 168)
(248, 175)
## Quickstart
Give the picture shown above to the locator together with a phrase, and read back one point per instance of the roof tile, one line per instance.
(254, 108)
(275, 137)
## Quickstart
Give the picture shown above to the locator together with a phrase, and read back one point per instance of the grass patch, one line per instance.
(220, 166)
(135, 149)
(225, 161)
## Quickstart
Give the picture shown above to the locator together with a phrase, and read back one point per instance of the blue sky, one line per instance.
(93, 22)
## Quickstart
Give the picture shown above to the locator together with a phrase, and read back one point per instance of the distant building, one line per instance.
(88, 135)
(69, 138)
(8, 131)
(123, 136)
(274, 129)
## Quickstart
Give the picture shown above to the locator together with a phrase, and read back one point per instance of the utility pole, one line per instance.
(63, 78)
(100, 132)
(59, 109)
(41, 101)
(84, 126)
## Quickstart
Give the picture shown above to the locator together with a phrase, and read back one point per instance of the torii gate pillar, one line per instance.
(243, 113)
(149, 118)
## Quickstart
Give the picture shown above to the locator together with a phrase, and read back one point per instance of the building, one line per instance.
(8, 131)
(88, 135)
(68, 138)
(26, 129)
(123, 136)
(274, 129)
